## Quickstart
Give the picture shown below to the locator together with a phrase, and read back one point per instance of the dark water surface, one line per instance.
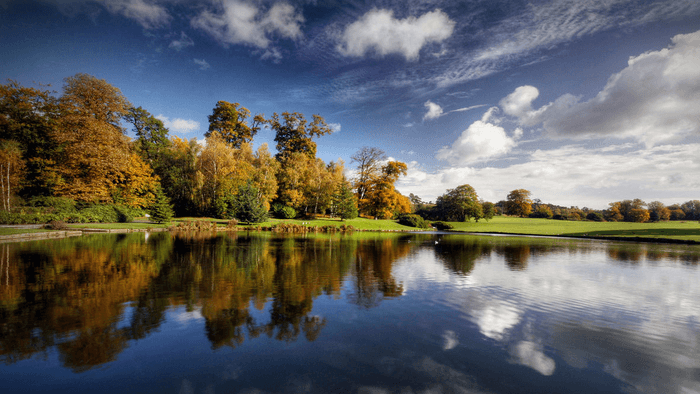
(364, 313)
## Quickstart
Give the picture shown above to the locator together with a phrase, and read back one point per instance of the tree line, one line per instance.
(75, 147)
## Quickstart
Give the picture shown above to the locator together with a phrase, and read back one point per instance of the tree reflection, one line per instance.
(373, 265)
(460, 254)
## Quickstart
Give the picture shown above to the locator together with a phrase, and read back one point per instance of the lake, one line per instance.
(361, 313)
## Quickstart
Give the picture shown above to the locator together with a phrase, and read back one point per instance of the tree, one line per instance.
(95, 147)
(519, 203)
(293, 133)
(11, 171)
(151, 137)
(639, 215)
(344, 202)
(230, 121)
(459, 204)
(542, 211)
(382, 200)
(29, 117)
(247, 207)
(613, 213)
(691, 209)
(368, 168)
(489, 210)
(658, 211)
(161, 210)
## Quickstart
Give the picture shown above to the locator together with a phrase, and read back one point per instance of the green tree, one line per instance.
(519, 203)
(161, 210)
(293, 133)
(459, 204)
(230, 121)
(658, 211)
(489, 210)
(151, 137)
(247, 207)
(344, 202)
(29, 117)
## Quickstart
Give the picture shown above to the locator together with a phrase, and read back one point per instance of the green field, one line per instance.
(13, 231)
(680, 230)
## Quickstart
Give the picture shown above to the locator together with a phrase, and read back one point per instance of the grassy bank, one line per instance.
(678, 230)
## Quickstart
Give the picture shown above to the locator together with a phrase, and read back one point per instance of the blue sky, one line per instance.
(583, 102)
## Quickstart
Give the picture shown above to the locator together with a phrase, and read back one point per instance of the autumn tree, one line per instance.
(459, 204)
(676, 212)
(11, 171)
(95, 147)
(369, 167)
(691, 209)
(639, 215)
(613, 213)
(519, 203)
(293, 133)
(29, 117)
(658, 211)
(382, 199)
(230, 120)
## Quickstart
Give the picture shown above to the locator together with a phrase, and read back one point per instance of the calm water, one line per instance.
(367, 313)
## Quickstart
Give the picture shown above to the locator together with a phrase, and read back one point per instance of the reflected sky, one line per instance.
(364, 313)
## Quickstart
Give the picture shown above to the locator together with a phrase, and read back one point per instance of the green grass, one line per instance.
(681, 230)
(13, 231)
(113, 226)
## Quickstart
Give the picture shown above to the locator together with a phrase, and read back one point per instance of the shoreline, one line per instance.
(58, 234)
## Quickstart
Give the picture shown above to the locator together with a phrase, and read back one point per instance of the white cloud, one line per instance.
(434, 110)
(203, 65)
(181, 43)
(242, 22)
(573, 175)
(450, 340)
(530, 354)
(335, 127)
(378, 30)
(148, 15)
(654, 99)
(481, 141)
(519, 103)
(179, 125)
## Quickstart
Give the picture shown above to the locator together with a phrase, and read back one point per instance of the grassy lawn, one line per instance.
(13, 231)
(681, 230)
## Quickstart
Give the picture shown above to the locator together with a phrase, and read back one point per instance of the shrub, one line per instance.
(413, 221)
(595, 217)
(56, 225)
(288, 212)
(443, 226)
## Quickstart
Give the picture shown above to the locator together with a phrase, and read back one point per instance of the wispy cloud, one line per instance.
(179, 125)
(544, 25)
(148, 14)
(203, 65)
(183, 42)
(379, 31)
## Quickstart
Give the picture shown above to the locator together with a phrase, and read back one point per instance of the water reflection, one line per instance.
(620, 317)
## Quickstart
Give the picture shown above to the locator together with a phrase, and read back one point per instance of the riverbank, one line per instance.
(687, 232)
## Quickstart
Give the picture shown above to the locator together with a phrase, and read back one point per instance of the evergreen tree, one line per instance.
(345, 202)
(247, 206)
(161, 210)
